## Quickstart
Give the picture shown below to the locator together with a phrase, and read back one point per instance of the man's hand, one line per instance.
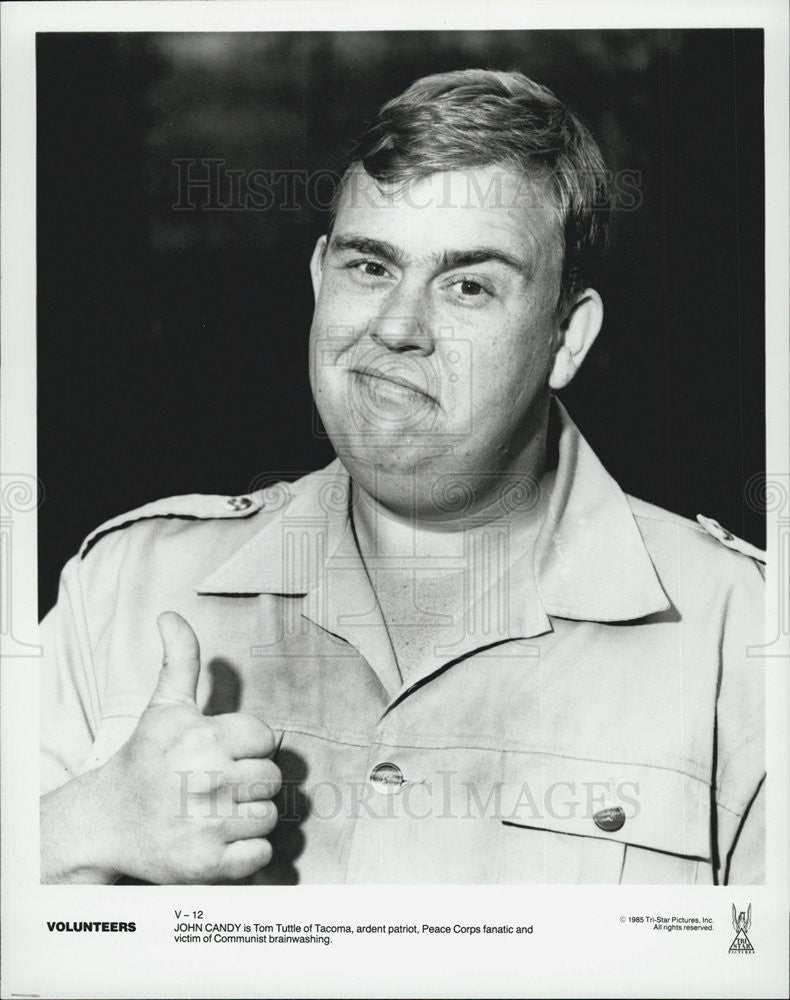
(186, 799)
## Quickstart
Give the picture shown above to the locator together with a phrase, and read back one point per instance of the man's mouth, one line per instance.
(392, 378)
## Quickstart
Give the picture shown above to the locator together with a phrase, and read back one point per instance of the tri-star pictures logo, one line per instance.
(741, 923)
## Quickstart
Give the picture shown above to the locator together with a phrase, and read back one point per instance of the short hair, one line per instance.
(473, 118)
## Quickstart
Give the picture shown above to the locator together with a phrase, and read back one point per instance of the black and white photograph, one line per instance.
(405, 505)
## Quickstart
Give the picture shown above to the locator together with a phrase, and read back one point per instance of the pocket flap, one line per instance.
(653, 807)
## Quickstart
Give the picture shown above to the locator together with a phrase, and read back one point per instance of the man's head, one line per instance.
(476, 118)
(452, 291)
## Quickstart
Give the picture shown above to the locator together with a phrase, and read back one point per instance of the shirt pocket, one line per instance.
(572, 821)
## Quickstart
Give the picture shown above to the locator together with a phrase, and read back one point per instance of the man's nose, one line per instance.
(403, 324)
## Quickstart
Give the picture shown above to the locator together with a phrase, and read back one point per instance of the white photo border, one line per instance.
(580, 946)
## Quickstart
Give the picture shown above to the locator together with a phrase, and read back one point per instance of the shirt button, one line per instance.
(724, 535)
(610, 819)
(238, 503)
(714, 528)
(386, 778)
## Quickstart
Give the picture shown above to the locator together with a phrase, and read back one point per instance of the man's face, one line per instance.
(433, 335)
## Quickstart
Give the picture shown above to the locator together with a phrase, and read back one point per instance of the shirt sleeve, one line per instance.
(746, 864)
(740, 736)
(69, 696)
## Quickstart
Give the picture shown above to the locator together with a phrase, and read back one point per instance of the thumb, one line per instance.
(180, 660)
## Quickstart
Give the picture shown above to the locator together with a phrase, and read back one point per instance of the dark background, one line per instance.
(172, 345)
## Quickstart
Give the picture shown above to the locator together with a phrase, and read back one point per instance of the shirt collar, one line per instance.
(590, 562)
(308, 549)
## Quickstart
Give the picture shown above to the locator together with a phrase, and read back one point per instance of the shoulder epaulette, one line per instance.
(190, 507)
(727, 538)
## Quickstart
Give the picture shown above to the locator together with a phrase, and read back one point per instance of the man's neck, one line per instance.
(424, 573)
(384, 535)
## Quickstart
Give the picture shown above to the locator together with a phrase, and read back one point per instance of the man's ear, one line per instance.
(576, 335)
(317, 264)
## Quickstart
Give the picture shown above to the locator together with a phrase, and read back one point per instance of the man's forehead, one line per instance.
(452, 208)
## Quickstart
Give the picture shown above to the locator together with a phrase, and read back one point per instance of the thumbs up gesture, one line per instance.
(191, 794)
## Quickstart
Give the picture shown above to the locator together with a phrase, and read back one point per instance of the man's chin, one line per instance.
(417, 481)
(393, 454)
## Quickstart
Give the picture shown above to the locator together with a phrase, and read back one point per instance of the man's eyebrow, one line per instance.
(481, 255)
(366, 244)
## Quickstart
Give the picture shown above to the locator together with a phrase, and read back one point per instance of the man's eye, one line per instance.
(470, 292)
(368, 269)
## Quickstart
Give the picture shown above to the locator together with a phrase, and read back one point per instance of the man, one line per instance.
(458, 654)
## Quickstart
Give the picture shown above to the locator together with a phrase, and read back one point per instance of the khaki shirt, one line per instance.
(595, 718)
